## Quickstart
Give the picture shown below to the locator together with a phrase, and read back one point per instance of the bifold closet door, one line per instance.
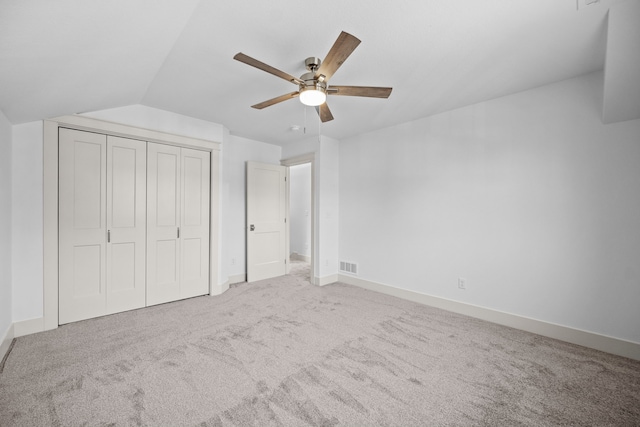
(194, 232)
(178, 181)
(101, 224)
(82, 225)
(163, 223)
(126, 223)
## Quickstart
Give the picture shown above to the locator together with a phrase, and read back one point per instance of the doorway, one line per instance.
(269, 219)
(300, 221)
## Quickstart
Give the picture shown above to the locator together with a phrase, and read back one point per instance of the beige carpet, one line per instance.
(283, 352)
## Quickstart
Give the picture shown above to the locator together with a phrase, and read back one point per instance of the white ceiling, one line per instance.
(69, 56)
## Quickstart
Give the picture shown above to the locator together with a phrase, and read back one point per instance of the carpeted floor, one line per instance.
(300, 269)
(282, 352)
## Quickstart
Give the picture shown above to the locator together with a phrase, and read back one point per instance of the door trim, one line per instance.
(50, 196)
(294, 161)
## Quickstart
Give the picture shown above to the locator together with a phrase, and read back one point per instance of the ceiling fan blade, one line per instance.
(368, 91)
(268, 68)
(275, 100)
(324, 113)
(339, 52)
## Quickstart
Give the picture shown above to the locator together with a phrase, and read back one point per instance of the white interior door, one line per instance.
(126, 223)
(82, 225)
(194, 230)
(163, 222)
(266, 221)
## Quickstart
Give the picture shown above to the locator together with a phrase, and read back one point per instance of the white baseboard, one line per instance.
(238, 278)
(326, 280)
(6, 341)
(219, 289)
(604, 343)
(223, 287)
(27, 327)
(299, 257)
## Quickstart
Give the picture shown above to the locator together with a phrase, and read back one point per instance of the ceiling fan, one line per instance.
(313, 86)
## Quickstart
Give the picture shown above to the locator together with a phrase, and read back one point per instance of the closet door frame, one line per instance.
(50, 202)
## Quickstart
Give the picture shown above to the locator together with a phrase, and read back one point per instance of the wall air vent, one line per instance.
(349, 267)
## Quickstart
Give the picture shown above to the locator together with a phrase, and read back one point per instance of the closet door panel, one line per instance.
(195, 190)
(163, 222)
(122, 275)
(87, 271)
(126, 223)
(82, 225)
(167, 263)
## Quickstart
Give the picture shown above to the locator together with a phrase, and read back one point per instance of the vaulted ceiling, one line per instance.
(70, 56)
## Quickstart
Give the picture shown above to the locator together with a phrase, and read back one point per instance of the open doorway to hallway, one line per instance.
(300, 217)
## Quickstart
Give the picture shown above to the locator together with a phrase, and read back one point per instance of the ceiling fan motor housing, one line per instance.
(312, 63)
(311, 82)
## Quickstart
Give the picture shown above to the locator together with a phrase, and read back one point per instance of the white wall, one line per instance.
(328, 190)
(529, 197)
(300, 209)
(236, 151)
(27, 221)
(162, 121)
(5, 227)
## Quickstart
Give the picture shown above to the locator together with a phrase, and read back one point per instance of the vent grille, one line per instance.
(349, 267)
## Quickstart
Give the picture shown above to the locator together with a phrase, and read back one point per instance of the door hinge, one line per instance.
(285, 220)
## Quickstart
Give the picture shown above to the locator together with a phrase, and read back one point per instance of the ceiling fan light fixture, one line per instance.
(313, 95)
(312, 86)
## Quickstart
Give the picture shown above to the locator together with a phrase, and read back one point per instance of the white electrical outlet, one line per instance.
(462, 283)
(233, 261)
